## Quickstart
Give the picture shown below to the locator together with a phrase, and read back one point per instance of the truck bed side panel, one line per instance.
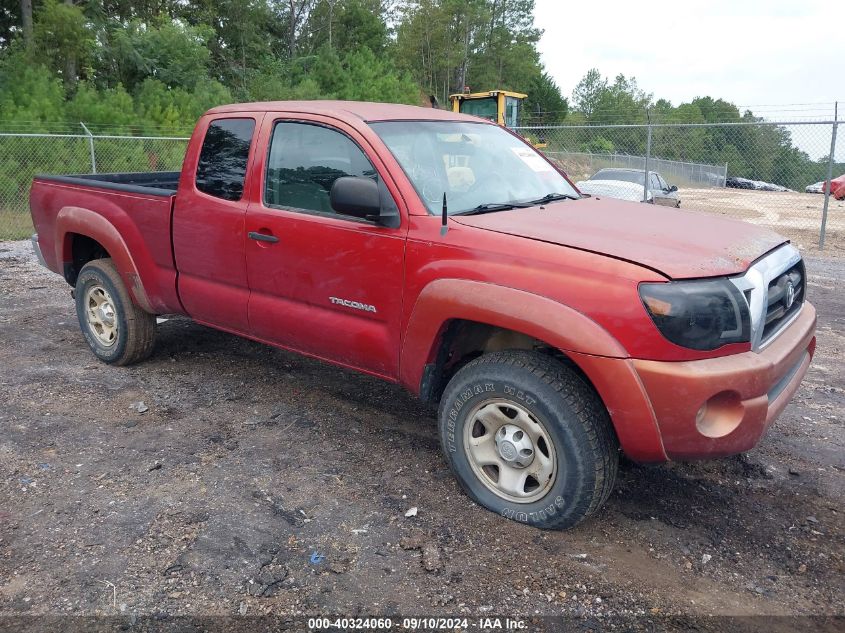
(134, 227)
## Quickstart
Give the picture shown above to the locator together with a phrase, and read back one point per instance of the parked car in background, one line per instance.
(837, 187)
(618, 189)
(735, 182)
(659, 190)
(739, 183)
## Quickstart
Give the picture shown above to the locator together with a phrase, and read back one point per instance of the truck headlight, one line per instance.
(701, 315)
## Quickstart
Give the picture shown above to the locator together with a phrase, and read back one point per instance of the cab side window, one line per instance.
(304, 162)
(223, 158)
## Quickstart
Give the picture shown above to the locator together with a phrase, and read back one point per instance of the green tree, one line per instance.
(175, 54)
(545, 104)
(29, 92)
(63, 40)
(346, 25)
(587, 92)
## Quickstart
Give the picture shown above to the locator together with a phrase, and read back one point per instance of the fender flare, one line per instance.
(534, 315)
(79, 221)
(592, 348)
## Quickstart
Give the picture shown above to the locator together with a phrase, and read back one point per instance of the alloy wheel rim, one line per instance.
(510, 451)
(100, 315)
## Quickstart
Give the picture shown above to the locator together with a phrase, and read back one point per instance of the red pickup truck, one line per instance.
(444, 253)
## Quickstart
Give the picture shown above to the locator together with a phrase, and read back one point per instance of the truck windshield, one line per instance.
(477, 165)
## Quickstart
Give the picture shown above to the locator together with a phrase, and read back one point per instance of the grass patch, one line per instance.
(15, 226)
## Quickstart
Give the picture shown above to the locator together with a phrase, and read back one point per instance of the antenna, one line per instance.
(445, 228)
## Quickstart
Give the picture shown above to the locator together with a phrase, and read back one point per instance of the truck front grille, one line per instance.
(784, 299)
(775, 288)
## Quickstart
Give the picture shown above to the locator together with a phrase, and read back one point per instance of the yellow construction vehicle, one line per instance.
(500, 106)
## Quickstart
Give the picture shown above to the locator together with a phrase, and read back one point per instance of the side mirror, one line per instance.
(362, 197)
(673, 188)
(356, 196)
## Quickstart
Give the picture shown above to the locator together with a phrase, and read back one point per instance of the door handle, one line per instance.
(262, 237)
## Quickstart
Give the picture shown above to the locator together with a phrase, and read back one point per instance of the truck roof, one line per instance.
(358, 110)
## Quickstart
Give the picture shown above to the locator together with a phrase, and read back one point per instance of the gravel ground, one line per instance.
(253, 481)
(794, 214)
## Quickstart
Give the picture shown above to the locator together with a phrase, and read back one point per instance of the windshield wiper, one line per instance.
(491, 207)
(551, 197)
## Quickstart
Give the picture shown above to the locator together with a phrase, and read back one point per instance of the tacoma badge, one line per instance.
(353, 304)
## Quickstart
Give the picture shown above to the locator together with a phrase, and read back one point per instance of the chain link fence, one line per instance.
(767, 173)
(22, 156)
(678, 172)
(771, 174)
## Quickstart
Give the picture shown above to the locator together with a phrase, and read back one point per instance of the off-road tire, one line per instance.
(586, 449)
(135, 328)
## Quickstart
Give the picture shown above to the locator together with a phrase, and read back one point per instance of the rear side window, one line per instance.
(304, 162)
(655, 182)
(223, 158)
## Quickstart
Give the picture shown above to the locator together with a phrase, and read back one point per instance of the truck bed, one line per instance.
(135, 206)
(156, 183)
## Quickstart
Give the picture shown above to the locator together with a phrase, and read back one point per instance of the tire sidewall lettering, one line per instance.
(516, 514)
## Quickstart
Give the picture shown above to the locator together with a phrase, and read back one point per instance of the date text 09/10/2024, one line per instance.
(419, 624)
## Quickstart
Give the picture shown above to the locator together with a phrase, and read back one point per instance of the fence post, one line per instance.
(829, 174)
(725, 176)
(647, 156)
(91, 147)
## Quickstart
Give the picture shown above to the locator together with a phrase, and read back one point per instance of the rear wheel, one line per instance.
(528, 439)
(116, 330)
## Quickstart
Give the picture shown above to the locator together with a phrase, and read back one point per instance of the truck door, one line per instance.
(208, 223)
(322, 283)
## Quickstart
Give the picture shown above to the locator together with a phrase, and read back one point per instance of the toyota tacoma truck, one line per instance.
(444, 253)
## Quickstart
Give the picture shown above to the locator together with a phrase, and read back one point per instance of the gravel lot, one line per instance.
(213, 497)
(794, 214)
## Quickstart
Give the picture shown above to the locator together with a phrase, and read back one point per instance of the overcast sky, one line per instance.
(750, 52)
(780, 58)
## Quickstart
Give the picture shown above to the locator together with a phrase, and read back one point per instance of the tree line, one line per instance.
(158, 64)
(749, 146)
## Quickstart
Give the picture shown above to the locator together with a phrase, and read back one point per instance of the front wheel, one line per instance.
(528, 439)
(116, 330)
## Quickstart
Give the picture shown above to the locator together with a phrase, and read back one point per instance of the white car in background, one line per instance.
(815, 188)
(659, 191)
(619, 189)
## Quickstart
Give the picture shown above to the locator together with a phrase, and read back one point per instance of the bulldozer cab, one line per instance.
(500, 106)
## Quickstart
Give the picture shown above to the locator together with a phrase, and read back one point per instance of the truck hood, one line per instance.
(678, 244)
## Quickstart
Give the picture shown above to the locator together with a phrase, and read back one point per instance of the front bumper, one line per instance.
(722, 406)
(37, 248)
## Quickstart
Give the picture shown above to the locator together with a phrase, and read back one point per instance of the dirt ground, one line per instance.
(254, 481)
(794, 214)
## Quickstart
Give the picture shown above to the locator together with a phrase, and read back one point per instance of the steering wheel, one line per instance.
(428, 183)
